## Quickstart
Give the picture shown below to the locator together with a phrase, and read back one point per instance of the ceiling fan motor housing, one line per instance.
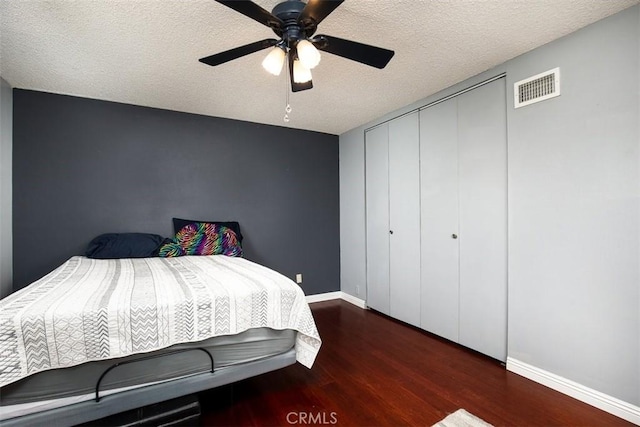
(292, 31)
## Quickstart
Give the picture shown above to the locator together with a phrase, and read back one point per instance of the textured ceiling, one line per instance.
(146, 52)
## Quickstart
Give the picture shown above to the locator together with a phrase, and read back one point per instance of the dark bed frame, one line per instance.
(103, 406)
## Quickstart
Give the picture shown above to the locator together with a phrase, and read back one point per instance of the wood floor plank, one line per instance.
(375, 371)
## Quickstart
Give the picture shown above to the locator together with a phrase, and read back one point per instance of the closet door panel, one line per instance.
(377, 208)
(404, 215)
(482, 184)
(439, 219)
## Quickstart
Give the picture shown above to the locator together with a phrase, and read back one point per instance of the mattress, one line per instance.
(176, 361)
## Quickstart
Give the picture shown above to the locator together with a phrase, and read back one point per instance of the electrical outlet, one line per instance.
(357, 290)
(299, 278)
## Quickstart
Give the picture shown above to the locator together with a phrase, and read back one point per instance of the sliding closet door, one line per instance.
(463, 155)
(377, 205)
(393, 218)
(482, 156)
(404, 216)
(439, 194)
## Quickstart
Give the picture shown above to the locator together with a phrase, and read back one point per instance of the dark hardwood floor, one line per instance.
(375, 371)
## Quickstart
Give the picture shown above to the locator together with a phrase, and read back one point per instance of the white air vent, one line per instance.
(537, 88)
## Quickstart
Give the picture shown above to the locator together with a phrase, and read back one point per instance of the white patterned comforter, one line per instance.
(90, 309)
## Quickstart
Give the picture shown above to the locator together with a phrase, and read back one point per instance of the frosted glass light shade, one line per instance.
(273, 61)
(301, 74)
(308, 54)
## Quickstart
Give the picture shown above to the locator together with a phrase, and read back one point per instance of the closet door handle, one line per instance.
(454, 236)
(390, 231)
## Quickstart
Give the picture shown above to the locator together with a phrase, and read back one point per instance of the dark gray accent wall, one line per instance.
(83, 167)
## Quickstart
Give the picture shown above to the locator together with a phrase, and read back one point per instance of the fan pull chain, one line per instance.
(287, 110)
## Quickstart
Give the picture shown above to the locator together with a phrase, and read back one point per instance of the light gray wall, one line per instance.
(6, 136)
(574, 208)
(574, 211)
(352, 228)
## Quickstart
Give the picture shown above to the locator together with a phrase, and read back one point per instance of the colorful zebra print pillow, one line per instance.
(179, 223)
(203, 238)
(170, 249)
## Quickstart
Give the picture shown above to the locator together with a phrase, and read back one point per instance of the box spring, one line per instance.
(229, 350)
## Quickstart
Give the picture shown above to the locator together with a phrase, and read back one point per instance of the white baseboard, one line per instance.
(585, 394)
(336, 295)
(353, 300)
(327, 296)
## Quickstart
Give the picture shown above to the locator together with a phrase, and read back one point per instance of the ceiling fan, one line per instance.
(295, 23)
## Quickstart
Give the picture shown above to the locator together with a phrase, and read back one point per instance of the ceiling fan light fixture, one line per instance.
(308, 54)
(301, 74)
(274, 61)
(295, 22)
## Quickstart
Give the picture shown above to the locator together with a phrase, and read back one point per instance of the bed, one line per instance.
(100, 336)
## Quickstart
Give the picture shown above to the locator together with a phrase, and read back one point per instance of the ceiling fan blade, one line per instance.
(228, 55)
(253, 11)
(364, 53)
(316, 10)
(297, 87)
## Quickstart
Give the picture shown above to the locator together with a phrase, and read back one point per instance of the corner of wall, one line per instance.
(352, 216)
(6, 192)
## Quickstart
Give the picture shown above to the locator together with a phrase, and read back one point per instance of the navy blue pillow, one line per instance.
(124, 245)
(178, 224)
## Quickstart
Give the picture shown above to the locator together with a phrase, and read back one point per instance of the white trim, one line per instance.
(353, 300)
(585, 394)
(323, 297)
(336, 295)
